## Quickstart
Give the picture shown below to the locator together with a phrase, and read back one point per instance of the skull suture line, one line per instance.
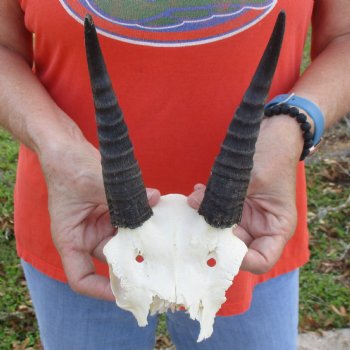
(176, 257)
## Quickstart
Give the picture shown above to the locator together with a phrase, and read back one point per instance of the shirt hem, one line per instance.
(228, 309)
(41, 265)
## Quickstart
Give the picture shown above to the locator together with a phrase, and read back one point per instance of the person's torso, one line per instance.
(179, 69)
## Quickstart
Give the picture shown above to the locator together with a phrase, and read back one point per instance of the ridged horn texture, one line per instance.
(125, 190)
(227, 186)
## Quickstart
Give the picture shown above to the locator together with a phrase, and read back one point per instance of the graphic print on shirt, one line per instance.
(170, 22)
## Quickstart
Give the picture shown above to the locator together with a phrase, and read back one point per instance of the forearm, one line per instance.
(26, 108)
(327, 83)
(327, 80)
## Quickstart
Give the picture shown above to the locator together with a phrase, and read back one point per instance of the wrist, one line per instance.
(54, 134)
(313, 113)
(309, 120)
(279, 145)
(284, 136)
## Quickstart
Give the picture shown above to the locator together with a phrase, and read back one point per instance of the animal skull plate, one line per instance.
(174, 260)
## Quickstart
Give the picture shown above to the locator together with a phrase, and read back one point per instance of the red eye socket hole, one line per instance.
(139, 258)
(211, 262)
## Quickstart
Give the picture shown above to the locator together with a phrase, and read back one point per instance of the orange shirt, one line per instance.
(180, 70)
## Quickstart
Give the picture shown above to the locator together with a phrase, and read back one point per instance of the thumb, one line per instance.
(153, 196)
(195, 198)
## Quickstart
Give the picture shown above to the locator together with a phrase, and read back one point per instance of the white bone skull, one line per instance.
(177, 247)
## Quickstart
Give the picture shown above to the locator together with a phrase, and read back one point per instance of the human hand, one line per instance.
(80, 222)
(269, 214)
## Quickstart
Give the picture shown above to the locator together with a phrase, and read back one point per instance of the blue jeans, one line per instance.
(69, 321)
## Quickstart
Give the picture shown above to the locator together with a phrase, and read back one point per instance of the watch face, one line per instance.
(170, 22)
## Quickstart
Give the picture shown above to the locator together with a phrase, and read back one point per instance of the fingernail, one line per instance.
(150, 193)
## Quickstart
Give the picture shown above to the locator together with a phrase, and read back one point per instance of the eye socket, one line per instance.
(211, 262)
(139, 258)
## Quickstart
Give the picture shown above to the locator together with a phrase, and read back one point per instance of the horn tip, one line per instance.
(281, 17)
(88, 22)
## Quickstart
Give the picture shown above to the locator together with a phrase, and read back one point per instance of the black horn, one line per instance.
(227, 186)
(125, 190)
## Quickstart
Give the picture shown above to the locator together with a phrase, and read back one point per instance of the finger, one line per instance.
(98, 251)
(82, 276)
(243, 235)
(153, 196)
(198, 186)
(101, 219)
(263, 254)
(101, 230)
(195, 198)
